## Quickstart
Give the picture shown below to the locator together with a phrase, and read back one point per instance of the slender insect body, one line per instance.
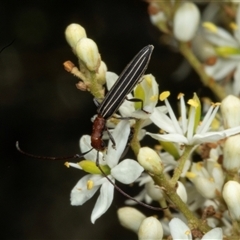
(117, 94)
(99, 126)
(127, 80)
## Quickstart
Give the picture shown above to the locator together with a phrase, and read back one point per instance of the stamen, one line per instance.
(210, 26)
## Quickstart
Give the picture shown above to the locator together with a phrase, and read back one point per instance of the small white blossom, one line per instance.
(227, 47)
(208, 179)
(183, 132)
(127, 171)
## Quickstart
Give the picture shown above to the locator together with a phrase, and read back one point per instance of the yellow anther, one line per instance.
(180, 95)
(233, 26)
(188, 232)
(90, 184)
(190, 175)
(211, 179)
(216, 104)
(67, 164)
(199, 166)
(210, 26)
(193, 103)
(164, 95)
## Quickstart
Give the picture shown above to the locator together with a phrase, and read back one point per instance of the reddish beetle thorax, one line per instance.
(97, 132)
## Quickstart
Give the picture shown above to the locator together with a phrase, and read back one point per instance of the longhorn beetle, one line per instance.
(110, 104)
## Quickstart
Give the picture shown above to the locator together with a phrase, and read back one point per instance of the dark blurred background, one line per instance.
(42, 109)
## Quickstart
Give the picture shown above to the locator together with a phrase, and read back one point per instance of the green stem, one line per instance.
(207, 81)
(181, 162)
(135, 144)
(170, 191)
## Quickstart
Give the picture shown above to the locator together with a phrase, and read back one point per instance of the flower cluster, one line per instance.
(193, 172)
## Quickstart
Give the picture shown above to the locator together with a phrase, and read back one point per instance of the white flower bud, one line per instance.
(186, 21)
(231, 195)
(87, 51)
(150, 228)
(73, 33)
(181, 191)
(150, 160)
(231, 153)
(101, 73)
(130, 218)
(154, 191)
(230, 108)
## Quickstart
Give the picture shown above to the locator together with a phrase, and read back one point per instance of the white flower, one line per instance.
(127, 171)
(179, 230)
(185, 132)
(208, 179)
(228, 50)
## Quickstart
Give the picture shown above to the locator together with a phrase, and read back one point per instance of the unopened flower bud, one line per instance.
(130, 218)
(150, 160)
(87, 51)
(151, 228)
(186, 21)
(230, 108)
(231, 195)
(101, 73)
(154, 191)
(231, 153)
(73, 33)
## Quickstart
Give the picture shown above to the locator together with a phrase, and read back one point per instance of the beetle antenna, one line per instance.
(50, 158)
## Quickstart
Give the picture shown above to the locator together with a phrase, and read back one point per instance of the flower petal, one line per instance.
(85, 145)
(214, 234)
(161, 120)
(127, 171)
(174, 137)
(221, 68)
(80, 194)
(120, 136)
(103, 202)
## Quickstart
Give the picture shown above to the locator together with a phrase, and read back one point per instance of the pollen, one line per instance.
(188, 232)
(67, 164)
(90, 184)
(190, 175)
(180, 95)
(164, 95)
(233, 26)
(199, 166)
(210, 26)
(193, 103)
